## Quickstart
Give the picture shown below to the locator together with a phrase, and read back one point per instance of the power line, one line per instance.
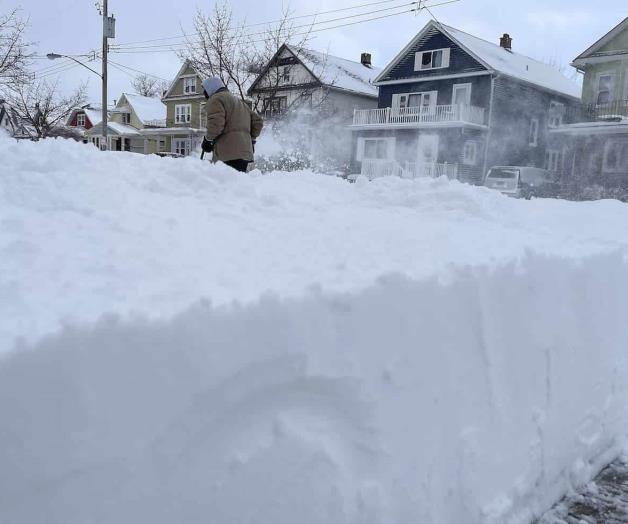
(339, 19)
(313, 15)
(138, 71)
(172, 48)
(165, 48)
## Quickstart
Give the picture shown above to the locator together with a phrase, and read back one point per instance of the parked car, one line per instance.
(522, 182)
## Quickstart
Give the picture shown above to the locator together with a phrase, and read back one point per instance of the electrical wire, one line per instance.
(137, 71)
(313, 15)
(313, 24)
(173, 48)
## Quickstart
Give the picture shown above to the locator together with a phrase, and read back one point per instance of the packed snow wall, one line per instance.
(467, 379)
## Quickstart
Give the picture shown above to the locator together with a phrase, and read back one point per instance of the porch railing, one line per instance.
(372, 168)
(595, 112)
(419, 115)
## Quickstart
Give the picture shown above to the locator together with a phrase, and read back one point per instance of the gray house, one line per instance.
(453, 104)
(314, 95)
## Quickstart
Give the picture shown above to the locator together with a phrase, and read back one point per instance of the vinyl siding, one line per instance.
(459, 62)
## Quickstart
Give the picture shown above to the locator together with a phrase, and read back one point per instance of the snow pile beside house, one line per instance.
(271, 348)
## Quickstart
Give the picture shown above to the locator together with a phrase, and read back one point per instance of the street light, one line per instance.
(55, 56)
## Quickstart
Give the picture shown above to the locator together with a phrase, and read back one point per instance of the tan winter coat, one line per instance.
(232, 126)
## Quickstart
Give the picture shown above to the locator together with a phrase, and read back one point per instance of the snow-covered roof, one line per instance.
(514, 64)
(150, 111)
(339, 72)
(496, 58)
(115, 128)
(94, 115)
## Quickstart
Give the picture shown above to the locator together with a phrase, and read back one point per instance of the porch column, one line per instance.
(146, 146)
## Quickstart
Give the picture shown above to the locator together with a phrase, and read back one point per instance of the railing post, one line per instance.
(387, 115)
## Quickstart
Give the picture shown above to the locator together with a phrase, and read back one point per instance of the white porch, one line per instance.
(423, 116)
(381, 168)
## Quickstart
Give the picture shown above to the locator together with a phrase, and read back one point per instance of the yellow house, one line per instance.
(135, 124)
(185, 113)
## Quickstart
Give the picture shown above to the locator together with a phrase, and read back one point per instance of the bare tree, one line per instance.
(15, 52)
(149, 86)
(221, 46)
(42, 107)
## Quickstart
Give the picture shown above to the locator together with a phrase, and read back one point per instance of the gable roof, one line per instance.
(331, 71)
(20, 128)
(93, 113)
(186, 64)
(499, 60)
(151, 111)
(339, 73)
(594, 50)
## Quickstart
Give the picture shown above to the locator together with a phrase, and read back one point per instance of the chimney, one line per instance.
(506, 42)
(366, 60)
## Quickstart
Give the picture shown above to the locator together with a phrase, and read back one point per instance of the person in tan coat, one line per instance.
(232, 127)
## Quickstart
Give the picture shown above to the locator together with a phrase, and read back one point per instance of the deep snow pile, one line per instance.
(295, 348)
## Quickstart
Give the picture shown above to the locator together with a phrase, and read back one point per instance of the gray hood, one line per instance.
(212, 84)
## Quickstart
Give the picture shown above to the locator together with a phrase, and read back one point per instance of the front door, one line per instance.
(462, 95)
(428, 149)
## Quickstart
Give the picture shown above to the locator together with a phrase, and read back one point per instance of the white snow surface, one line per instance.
(150, 110)
(515, 64)
(181, 343)
(339, 72)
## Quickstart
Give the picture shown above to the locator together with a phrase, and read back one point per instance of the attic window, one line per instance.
(189, 85)
(436, 59)
(80, 120)
(286, 75)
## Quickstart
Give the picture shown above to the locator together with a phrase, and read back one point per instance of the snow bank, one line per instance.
(184, 344)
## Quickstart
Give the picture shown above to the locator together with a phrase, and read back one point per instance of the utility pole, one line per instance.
(105, 50)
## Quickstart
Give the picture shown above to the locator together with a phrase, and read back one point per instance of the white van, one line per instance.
(522, 182)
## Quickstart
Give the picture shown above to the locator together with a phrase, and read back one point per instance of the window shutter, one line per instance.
(418, 58)
(446, 56)
(360, 150)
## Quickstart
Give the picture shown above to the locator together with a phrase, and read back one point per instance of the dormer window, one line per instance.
(436, 59)
(189, 85)
(80, 120)
(126, 118)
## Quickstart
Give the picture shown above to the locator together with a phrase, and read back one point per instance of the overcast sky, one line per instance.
(549, 30)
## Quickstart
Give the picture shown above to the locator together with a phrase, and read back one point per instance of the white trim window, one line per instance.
(470, 153)
(422, 99)
(533, 135)
(553, 160)
(605, 88)
(189, 85)
(182, 113)
(126, 118)
(435, 59)
(376, 148)
(285, 75)
(80, 120)
(556, 114)
(616, 156)
(181, 146)
(461, 94)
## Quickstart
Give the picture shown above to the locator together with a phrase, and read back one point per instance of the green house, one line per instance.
(595, 136)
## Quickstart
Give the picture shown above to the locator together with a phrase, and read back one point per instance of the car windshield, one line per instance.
(503, 173)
